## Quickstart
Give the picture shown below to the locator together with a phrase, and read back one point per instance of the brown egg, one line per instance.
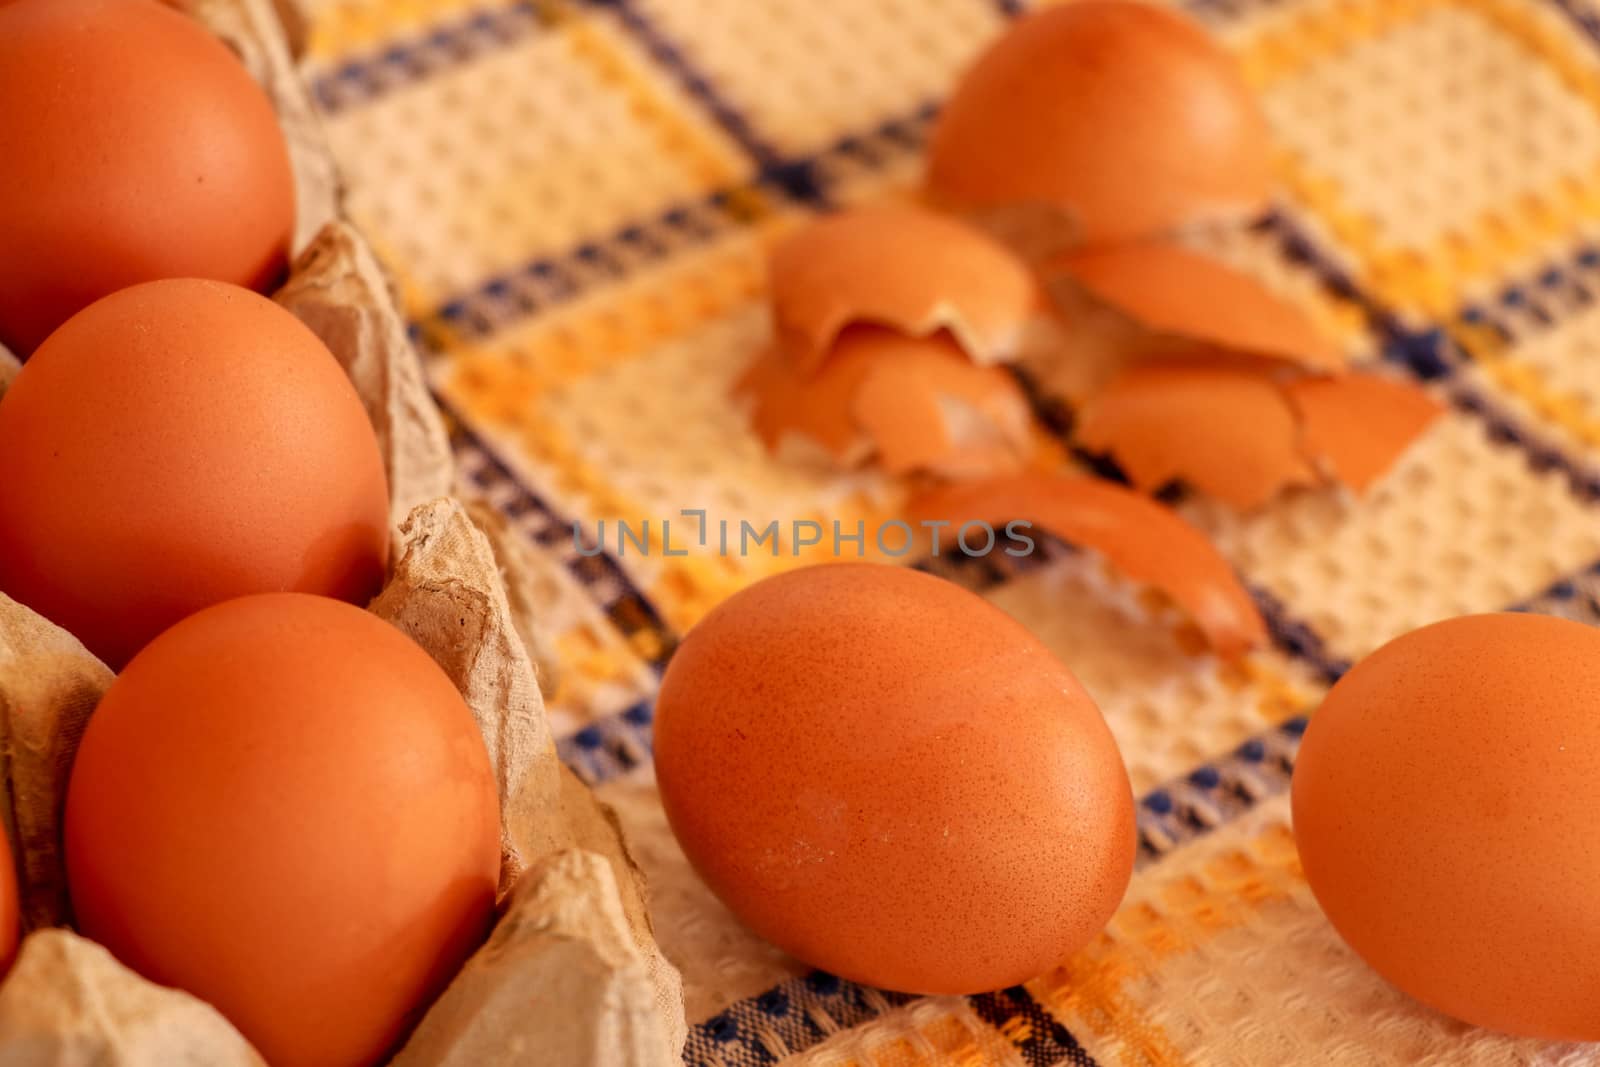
(10, 906)
(1445, 800)
(1193, 298)
(1358, 425)
(136, 147)
(1221, 426)
(888, 777)
(1125, 116)
(284, 807)
(1144, 540)
(910, 403)
(900, 266)
(177, 444)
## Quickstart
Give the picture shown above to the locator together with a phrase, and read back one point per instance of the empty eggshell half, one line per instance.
(1144, 540)
(1221, 426)
(1196, 303)
(901, 266)
(914, 403)
(1357, 425)
(1125, 116)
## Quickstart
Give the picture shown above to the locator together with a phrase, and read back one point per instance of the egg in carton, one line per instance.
(571, 972)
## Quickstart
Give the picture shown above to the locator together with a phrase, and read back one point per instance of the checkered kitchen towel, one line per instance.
(575, 197)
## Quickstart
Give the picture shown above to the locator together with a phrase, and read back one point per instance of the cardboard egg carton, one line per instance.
(571, 973)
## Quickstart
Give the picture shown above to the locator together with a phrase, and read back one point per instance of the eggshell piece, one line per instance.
(926, 406)
(136, 147)
(283, 807)
(177, 444)
(901, 266)
(1221, 426)
(1171, 290)
(888, 777)
(1359, 424)
(1125, 116)
(1142, 539)
(1445, 797)
(911, 403)
(789, 405)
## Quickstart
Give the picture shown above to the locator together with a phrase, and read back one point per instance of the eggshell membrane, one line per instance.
(10, 906)
(284, 807)
(1221, 426)
(137, 147)
(1127, 116)
(1171, 290)
(891, 779)
(1445, 799)
(177, 444)
(901, 266)
(1147, 542)
(1359, 424)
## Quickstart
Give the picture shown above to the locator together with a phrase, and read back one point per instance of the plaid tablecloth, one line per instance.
(575, 198)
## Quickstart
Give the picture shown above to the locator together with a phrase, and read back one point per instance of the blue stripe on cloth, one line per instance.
(671, 58)
(1583, 15)
(1541, 454)
(446, 46)
(602, 577)
(1037, 1035)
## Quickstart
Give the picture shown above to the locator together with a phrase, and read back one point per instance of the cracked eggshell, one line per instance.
(795, 413)
(1147, 542)
(901, 266)
(1446, 797)
(1193, 300)
(911, 403)
(1358, 425)
(927, 407)
(1127, 117)
(888, 777)
(1221, 426)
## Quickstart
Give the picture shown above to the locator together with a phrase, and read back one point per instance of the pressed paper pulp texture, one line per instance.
(575, 199)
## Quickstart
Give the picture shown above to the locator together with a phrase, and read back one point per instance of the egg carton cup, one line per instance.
(571, 973)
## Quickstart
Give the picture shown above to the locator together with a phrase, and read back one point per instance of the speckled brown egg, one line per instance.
(177, 444)
(136, 147)
(284, 807)
(1446, 801)
(889, 778)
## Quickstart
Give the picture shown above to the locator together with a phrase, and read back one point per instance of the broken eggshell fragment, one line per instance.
(1241, 432)
(1222, 426)
(1358, 425)
(914, 403)
(1124, 117)
(1142, 539)
(901, 266)
(1193, 303)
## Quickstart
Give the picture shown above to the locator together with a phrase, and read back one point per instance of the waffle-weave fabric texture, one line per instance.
(575, 197)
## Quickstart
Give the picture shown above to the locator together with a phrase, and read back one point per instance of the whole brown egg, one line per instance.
(136, 147)
(283, 807)
(888, 777)
(1446, 797)
(177, 444)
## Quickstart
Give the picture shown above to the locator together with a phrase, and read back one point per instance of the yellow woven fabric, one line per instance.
(575, 198)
